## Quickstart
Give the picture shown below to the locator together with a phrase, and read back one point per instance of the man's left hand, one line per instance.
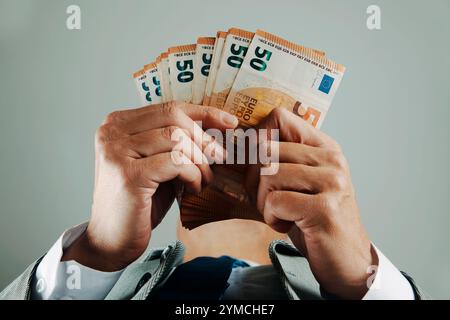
(311, 197)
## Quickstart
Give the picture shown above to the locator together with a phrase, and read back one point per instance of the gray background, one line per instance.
(391, 113)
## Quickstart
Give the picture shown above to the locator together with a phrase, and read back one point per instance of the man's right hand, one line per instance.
(136, 175)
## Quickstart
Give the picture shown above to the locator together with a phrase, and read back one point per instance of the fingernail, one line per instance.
(229, 119)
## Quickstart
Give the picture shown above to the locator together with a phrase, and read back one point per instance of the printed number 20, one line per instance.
(185, 75)
(257, 63)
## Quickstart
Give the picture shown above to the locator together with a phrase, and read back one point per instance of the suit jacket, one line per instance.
(141, 279)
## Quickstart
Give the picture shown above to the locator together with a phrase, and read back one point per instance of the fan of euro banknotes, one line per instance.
(246, 74)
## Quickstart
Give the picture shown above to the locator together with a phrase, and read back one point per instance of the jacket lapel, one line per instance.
(139, 279)
(294, 270)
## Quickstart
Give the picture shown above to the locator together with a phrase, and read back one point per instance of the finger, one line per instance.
(210, 117)
(291, 152)
(170, 115)
(152, 142)
(127, 114)
(151, 171)
(289, 206)
(159, 115)
(293, 177)
(297, 177)
(292, 128)
(168, 139)
(308, 212)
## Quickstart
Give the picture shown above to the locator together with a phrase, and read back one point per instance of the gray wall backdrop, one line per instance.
(391, 114)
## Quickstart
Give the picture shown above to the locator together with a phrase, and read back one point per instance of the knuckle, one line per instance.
(332, 145)
(107, 132)
(329, 208)
(330, 142)
(178, 158)
(113, 151)
(169, 132)
(101, 133)
(336, 145)
(113, 117)
(337, 180)
(278, 113)
(337, 159)
(170, 109)
(209, 112)
(273, 198)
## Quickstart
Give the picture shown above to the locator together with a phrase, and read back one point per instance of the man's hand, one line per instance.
(136, 171)
(312, 198)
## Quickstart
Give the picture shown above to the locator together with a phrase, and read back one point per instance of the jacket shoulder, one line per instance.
(20, 288)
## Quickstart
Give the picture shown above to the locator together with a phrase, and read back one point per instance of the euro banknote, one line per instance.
(160, 77)
(140, 79)
(147, 84)
(181, 66)
(232, 57)
(217, 54)
(279, 73)
(153, 82)
(233, 54)
(202, 65)
(162, 64)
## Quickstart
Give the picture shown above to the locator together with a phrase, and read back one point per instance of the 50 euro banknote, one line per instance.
(232, 56)
(217, 53)
(181, 68)
(202, 65)
(162, 64)
(279, 73)
(148, 84)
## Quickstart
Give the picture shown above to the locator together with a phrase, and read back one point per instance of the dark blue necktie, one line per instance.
(203, 278)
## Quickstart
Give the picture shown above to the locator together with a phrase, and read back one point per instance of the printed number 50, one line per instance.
(236, 61)
(257, 63)
(185, 75)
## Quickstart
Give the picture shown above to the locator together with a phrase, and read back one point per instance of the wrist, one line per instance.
(356, 284)
(90, 253)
